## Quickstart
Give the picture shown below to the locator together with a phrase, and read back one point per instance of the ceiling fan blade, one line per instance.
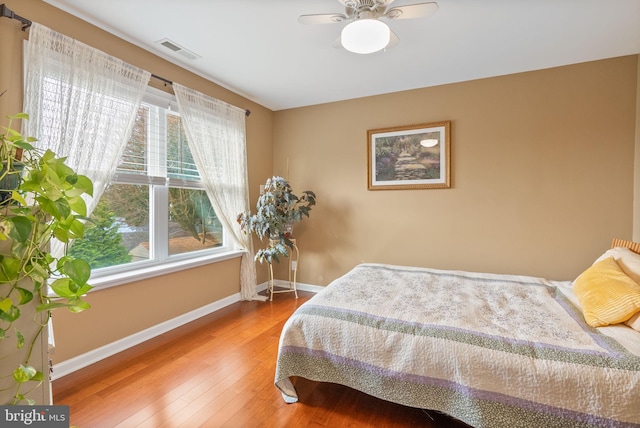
(420, 10)
(325, 18)
(393, 40)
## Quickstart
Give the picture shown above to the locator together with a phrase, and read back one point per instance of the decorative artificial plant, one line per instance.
(46, 202)
(277, 209)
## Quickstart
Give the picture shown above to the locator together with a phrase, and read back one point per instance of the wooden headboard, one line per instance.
(633, 246)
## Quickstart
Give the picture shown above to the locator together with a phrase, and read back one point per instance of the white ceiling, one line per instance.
(258, 49)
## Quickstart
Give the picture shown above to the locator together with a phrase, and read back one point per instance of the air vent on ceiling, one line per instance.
(173, 46)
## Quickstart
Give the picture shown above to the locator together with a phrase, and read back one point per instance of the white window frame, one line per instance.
(160, 262)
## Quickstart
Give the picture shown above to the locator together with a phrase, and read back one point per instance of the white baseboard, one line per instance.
(299, 286)
(69, 366)
(76, 363)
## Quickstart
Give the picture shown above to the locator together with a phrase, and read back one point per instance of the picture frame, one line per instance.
(409, 157)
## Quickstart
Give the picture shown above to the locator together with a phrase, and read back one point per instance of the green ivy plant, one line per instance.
(42, 201)
(277, 209)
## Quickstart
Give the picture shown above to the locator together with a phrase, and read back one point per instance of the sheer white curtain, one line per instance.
(81, 102)
(216, 134)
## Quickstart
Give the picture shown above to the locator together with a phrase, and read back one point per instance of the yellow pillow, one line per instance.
(607, 294)
(628, 260)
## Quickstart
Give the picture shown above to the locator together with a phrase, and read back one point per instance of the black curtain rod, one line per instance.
(247, 112)
(8, 13)
(166, 81)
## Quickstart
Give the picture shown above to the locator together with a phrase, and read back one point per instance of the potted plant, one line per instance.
(45, 203)
(277, 209)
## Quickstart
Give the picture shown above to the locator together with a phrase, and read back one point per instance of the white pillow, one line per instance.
(634, 322)
(627, 259)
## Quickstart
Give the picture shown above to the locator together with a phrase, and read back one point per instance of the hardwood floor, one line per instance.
(218, 372)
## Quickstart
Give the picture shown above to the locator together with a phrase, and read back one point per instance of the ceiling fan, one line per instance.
(366, 32)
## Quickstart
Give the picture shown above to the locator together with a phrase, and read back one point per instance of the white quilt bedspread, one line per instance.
(490, 350)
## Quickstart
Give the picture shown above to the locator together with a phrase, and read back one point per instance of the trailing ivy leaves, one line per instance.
(48, 202)
(71, 287)
(26, 373)
(25, 295)
(9, 268)
(17, 228)
(19, 338)
(73, 305)
(11, 314)
(77, 270)
(6, 304)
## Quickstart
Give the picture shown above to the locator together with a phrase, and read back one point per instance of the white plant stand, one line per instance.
(294, 256)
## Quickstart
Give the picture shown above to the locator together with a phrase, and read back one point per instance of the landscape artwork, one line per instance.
(409, 157)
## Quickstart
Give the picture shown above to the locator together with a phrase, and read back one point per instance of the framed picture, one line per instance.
(409, 157)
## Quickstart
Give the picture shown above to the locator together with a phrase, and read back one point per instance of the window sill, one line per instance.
(121, 278)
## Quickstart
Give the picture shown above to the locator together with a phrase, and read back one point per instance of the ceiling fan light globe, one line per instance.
(365, 36)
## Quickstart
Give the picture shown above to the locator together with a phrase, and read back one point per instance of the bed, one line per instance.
(490, 350)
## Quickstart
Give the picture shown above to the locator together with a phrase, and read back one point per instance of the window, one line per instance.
(155, 210)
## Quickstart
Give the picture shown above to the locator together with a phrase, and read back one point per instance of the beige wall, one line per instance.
(118, 312)
(121, 311)
(542, 167)
(636, 180)
(542, 171)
